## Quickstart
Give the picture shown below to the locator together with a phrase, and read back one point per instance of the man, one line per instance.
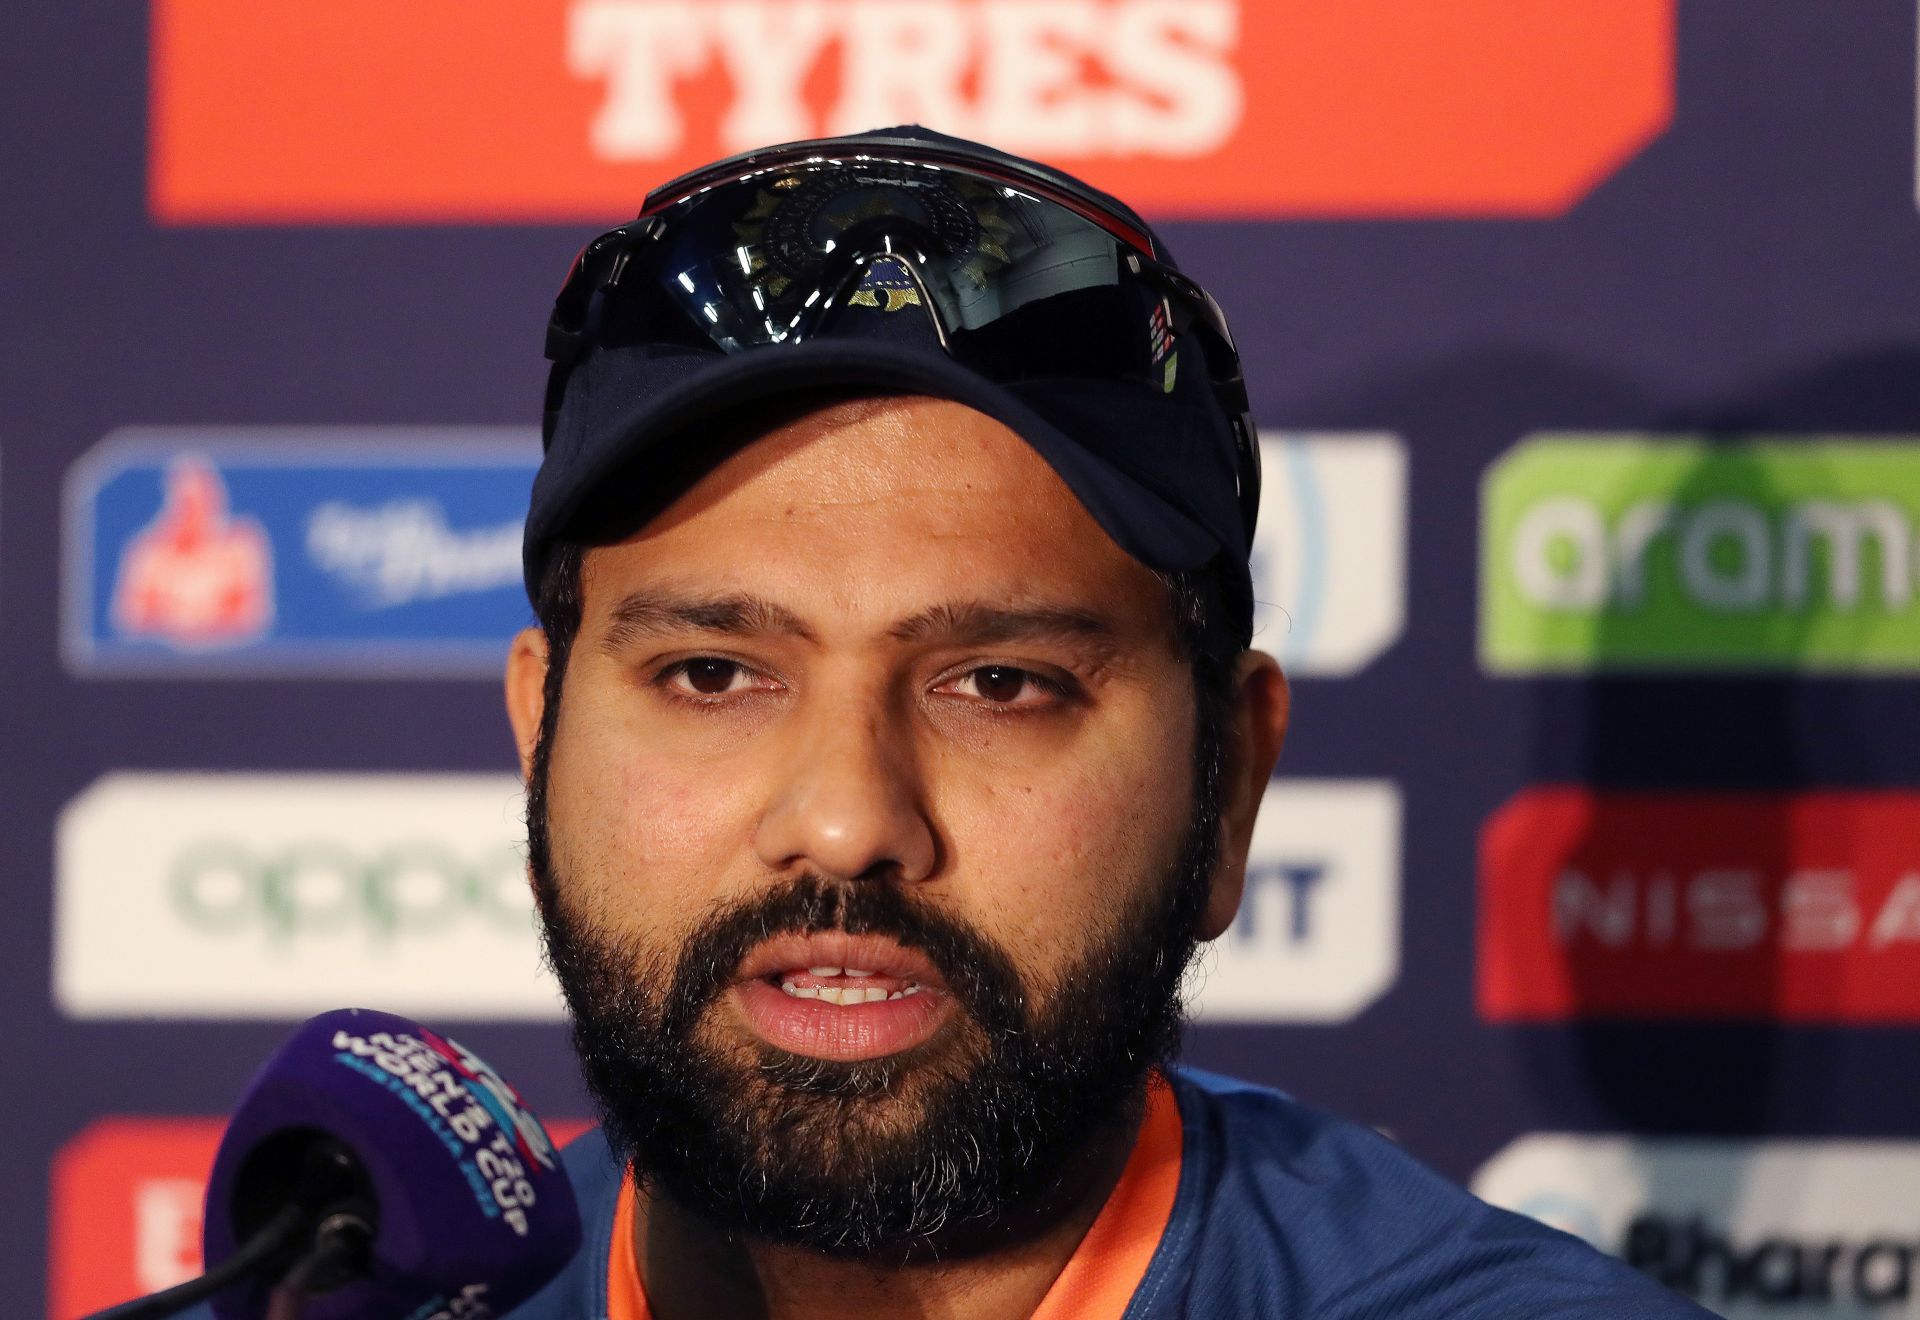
(892, 742)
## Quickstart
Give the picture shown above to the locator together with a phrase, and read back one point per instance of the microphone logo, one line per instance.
(472, 1124)
(500, 1099)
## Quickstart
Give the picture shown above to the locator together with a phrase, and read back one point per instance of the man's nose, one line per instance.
(849, 801)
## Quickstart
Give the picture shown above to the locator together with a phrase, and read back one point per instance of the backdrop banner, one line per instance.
(1584, 337)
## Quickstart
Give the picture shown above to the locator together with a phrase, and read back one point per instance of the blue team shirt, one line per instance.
(1281, 1211)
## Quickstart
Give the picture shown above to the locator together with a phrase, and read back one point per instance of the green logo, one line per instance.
(315, 888)
(1656, 553)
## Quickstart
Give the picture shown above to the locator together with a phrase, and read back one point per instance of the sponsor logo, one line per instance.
(1640, 553)
(356, 112)
(1802, 907)
(376, 553)
(1329, 554)
(1317, 938)
(278, 896)
(1749, 1229)
(402, 552)
(194, 576)
(128, 1195)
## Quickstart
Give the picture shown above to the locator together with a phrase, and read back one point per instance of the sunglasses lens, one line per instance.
(1015, 284)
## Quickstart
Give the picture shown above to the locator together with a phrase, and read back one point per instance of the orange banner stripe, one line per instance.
(487, 111)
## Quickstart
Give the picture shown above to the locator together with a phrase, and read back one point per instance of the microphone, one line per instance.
(376, 1168)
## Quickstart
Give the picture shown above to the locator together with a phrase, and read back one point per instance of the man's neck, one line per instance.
(690, 1269)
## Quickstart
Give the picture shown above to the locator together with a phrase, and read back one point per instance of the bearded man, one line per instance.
(893, 742)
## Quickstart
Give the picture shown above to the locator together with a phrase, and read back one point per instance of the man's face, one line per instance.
(870, 852)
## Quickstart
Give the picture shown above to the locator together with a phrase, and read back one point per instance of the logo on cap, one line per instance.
(886, 286)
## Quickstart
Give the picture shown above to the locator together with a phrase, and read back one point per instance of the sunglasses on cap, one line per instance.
(1019, 272)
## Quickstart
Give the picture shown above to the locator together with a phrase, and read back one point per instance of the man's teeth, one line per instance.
(845, 994)
(837, 971)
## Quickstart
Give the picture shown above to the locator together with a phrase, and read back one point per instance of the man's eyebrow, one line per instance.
(979, 623)
(643, 613)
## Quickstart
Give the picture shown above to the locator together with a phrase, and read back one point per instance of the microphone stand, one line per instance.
(339, 1247)
(339, 1250)
(273, 1239)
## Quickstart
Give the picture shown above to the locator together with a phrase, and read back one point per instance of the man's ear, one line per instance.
(527, 692)
(1254, 729)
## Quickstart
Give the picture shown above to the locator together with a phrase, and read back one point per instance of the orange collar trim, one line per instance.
(1100, 1277)
(1106, 1268)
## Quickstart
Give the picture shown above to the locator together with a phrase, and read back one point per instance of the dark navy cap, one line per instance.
(1155, 467)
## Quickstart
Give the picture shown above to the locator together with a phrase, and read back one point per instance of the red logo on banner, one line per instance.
(195, 575)
(1795, 907)
(502, 110)
(127, 1195)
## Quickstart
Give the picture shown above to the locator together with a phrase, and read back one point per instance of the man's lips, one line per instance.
(837, 996)
(870, 956)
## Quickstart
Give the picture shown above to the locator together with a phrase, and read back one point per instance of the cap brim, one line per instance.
(645, 401)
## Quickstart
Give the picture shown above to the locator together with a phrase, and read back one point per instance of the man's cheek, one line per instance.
(622, 819)
(1038, 852)
(1106, 811)
(681, 817)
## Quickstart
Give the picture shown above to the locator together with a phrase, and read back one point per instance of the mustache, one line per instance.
(979, 973)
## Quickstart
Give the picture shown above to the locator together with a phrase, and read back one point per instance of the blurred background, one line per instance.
(1585, 337)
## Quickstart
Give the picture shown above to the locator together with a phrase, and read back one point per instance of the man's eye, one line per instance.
(709, 676)
(1004, 685)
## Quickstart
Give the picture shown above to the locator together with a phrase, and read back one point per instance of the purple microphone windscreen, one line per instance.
(470, 1209)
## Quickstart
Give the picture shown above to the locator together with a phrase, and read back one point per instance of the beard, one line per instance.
(942, 1149)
